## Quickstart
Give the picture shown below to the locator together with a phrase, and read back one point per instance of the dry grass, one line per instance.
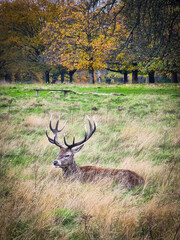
(35, 121)
(139, 136)
(7, 141)
(176, 135)
(108, 208)
(35, 196)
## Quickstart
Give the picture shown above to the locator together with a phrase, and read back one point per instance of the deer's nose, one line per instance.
(55, 163)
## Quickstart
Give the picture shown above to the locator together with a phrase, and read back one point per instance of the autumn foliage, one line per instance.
(59, 37)
(83, 36)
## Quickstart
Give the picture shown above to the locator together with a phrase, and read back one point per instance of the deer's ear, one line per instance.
(77, 149)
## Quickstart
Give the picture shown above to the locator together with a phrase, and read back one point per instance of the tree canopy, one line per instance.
(82, 36)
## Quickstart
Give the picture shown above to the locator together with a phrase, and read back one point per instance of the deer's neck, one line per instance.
(71, 170)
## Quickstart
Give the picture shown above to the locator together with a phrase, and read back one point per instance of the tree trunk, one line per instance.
(99, 76)
(8, 77)
(151, 77)
(135, 76)
(91, 76)
(62, 77)
(70, 77)
(46, 75)
(71, 73)
(125, 77)
(174, 78)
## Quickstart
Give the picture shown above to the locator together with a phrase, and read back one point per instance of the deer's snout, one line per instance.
(55, 163)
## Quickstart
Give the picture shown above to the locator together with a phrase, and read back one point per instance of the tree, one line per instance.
(82, 36)
(152, 40)
(21, 21)
(154, 32)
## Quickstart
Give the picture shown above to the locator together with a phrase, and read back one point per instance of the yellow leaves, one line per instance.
(82, 38)
(121, 56)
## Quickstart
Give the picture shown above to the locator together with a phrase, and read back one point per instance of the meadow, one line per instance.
(138, 130)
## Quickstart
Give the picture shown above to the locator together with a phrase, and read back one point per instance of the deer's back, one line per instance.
(128, 178)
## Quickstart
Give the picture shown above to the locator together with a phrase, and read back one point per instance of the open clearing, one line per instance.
(139, 130)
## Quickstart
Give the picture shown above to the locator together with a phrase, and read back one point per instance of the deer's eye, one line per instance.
(67, 156)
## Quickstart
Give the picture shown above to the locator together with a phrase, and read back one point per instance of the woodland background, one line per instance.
(47, 41)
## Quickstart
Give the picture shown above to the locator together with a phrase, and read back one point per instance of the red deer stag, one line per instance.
(65, 160)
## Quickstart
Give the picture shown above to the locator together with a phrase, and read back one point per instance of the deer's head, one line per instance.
(65, 156)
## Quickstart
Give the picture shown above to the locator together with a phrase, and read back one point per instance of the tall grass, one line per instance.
(37, 203)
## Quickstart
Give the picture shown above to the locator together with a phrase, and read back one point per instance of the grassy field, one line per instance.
(139, 130)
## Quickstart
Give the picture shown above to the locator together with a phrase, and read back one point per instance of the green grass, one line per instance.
(138, 131)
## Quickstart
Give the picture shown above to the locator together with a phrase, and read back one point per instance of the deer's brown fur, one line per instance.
(127, 178)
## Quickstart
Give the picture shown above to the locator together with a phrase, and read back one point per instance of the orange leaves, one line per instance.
(83, 36)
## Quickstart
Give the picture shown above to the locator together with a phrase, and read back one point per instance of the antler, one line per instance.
(86, 137)
(55, 132)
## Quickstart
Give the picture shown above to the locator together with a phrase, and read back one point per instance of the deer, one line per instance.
(70, 170)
